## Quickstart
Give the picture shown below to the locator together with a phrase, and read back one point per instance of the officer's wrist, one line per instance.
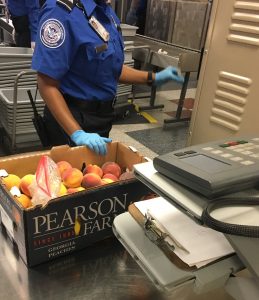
(150, 78)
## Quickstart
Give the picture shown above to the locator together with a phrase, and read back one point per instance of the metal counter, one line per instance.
(103, 271)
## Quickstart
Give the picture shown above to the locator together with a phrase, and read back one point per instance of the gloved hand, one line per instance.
(92, 140)
(170, 73)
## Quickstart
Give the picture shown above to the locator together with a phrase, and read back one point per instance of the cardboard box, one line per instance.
(71, 222)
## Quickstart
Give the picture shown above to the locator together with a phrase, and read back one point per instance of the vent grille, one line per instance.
(230, 100)
(244, 28)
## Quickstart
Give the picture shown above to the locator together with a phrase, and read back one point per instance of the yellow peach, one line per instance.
(24, 200)
(72, 178)
(107, 180)
(63, 190)
(11, 180)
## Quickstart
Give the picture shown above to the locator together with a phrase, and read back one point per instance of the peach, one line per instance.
(63, 166)
(127, 175)
(24, 200)
(11, 180)
(91, 180)
(72, 178)
(63, 190)
(106, 180)
(25, 182)
(75, 190)
(112, 168)
(93, 169)
(110, 176)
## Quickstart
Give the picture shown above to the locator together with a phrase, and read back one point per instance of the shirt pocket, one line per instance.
(100, 62)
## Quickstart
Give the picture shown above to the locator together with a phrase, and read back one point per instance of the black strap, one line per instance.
(68, 4)
(42, 2)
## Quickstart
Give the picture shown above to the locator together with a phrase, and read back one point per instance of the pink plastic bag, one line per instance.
(47, 182)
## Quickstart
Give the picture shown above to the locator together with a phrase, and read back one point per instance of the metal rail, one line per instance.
(15, 102)
(187, 60)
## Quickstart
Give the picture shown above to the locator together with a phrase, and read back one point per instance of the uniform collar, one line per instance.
(90, 5)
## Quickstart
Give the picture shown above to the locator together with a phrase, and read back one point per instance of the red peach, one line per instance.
(25, 182)
(91, 180)
(126, 175)
(63, 166)
(110, 176)
(111, 167)
(72, 178)
(93, 169)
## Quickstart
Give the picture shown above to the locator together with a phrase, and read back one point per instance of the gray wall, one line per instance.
(181, 22)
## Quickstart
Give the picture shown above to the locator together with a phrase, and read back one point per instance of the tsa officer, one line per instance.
(24, 15)
(79, 57)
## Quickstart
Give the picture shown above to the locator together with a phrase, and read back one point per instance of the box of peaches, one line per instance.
(58, 201)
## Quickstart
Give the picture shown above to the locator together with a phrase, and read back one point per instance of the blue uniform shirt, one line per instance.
(18, 8)
(69, 50)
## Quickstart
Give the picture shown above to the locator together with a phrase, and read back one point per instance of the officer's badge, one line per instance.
(52, 33)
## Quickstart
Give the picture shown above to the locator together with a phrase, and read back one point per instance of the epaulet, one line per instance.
(68, 4)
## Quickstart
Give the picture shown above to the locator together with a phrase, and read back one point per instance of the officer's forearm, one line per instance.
(50, 93)
(133, 76)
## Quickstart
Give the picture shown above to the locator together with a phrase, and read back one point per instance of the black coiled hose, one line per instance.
(228, 228)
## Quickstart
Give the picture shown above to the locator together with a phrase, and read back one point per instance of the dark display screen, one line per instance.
(206, 163)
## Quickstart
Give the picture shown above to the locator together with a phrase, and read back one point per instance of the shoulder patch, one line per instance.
(52, 33)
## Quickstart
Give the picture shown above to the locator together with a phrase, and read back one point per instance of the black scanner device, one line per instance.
(216, 168)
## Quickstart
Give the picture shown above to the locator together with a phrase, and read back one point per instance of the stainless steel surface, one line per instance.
(6, 26)
(155, 44)
(102, 271)
(187, 59)
(160, 54)
(15, 100)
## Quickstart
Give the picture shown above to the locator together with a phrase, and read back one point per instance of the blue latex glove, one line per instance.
(170, 73)
(92, 140)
